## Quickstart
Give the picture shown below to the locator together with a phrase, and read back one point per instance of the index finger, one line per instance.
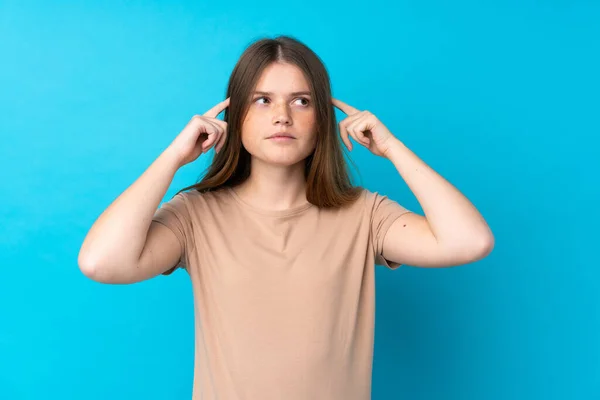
(349, 110)
(216, 110)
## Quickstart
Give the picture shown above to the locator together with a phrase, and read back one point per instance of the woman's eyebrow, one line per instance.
(291, 94)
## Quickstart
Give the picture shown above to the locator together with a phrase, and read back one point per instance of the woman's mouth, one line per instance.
(281, 137)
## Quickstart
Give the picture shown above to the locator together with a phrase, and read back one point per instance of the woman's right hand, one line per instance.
(200, 134)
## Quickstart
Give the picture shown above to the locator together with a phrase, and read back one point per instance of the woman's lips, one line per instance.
(281, 138)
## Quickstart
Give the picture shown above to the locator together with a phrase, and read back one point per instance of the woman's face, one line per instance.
(282, 103)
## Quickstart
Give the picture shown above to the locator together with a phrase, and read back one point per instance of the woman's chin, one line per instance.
(281, 160)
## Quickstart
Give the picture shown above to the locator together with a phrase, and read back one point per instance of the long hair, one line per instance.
(327, 178)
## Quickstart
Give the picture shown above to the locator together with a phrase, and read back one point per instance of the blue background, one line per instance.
(500, 97)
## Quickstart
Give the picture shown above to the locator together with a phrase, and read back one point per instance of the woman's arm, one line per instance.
(124, 245)
(452, 232)
(112, 250)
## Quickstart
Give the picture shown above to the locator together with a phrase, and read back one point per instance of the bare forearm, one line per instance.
(453, 219)
(117, 237)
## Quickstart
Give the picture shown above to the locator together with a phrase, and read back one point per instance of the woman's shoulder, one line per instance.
(368, 196)
(206, 198)
(221, 197)
(374, 199)
(204, 195)
(373, 195)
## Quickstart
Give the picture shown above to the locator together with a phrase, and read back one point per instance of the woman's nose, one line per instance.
(282, 116)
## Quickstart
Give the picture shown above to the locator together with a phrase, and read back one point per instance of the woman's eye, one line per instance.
(306, 101)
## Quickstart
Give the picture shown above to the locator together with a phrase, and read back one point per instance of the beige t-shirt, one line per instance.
(284, 300)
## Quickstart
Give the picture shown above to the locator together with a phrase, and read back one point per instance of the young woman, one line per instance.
(279, 245)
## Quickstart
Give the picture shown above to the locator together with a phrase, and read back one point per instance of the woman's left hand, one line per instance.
(365, 128)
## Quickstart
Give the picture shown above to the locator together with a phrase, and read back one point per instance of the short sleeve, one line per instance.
(384, 212)
(174, 215)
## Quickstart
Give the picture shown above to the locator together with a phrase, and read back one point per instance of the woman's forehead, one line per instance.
(282, 79)
(282, 93)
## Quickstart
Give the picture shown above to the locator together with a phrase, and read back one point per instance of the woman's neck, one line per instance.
(274, 187)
